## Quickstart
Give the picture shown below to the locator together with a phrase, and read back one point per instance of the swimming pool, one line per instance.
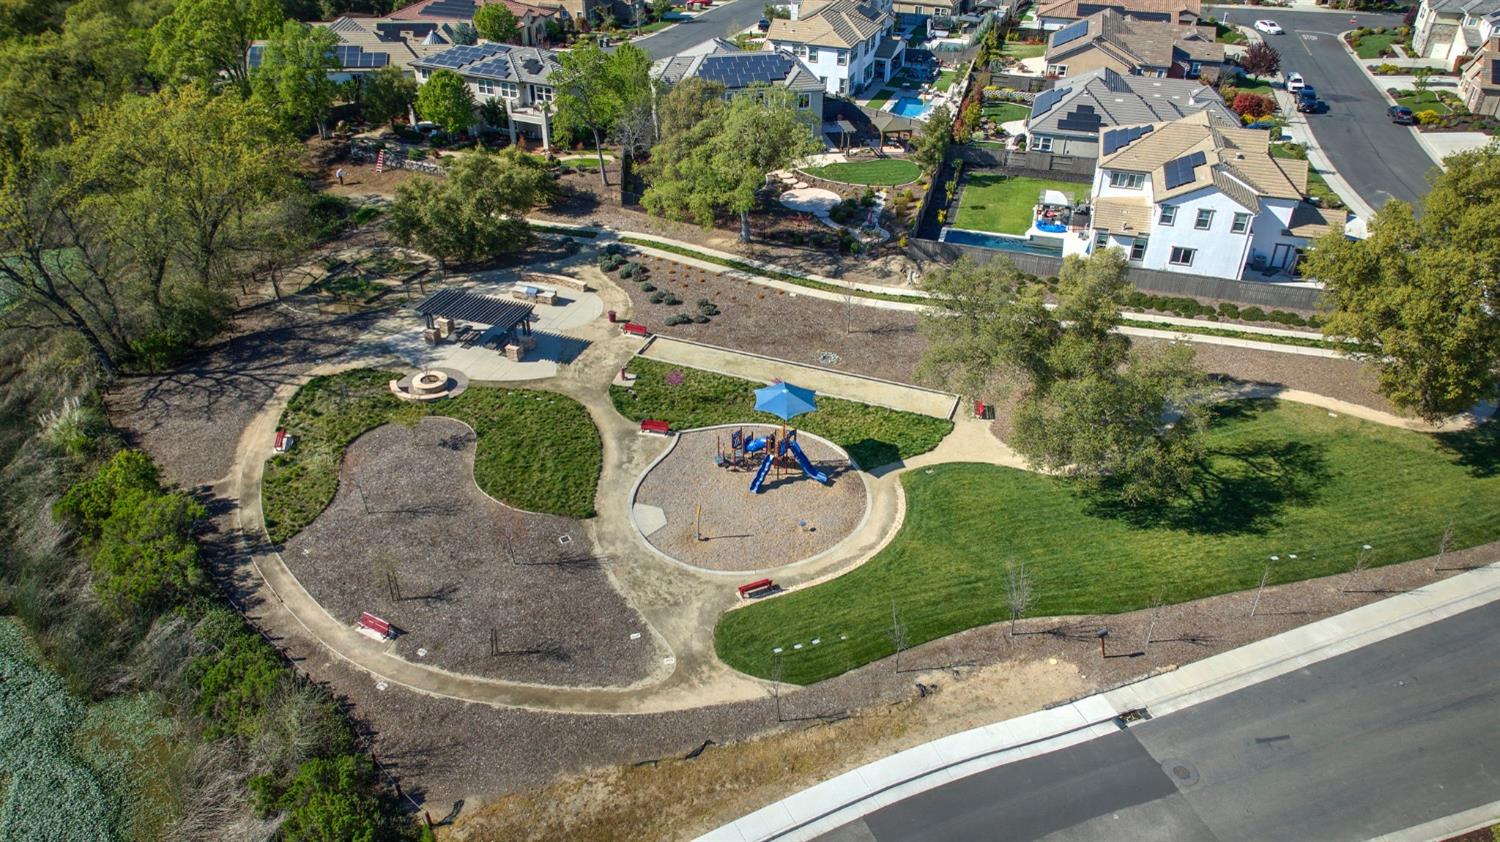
(910, 106)
(1045, 246)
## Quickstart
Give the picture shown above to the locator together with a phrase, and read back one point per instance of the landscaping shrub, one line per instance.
(1229, 310)
(365, 214)
(1247, 104)
(648, 287)
(671, 300)
(677, 319)
(701, 319)
(659, 296)
(1253, 314)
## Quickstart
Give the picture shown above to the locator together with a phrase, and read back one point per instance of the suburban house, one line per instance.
(1134, 47)
(1479, 86)
(941, 13)
(738, 70)
(533, 19)
(1448, 29)
(1067, 119)
(366, 45)
(845, 43)
(1190, 196)
(1055, 14)
(515, 76)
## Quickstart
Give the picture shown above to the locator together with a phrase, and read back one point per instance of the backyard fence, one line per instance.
(1016, 82)
(1259, 294)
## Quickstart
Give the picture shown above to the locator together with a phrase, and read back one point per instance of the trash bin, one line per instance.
(612, 319)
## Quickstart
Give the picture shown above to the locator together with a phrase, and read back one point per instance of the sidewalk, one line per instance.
(840, 800)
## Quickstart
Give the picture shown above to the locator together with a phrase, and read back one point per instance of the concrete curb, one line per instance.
(840, 800)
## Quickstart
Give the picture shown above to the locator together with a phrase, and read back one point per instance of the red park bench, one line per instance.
(634, 329)
(283, 441)
(375, 624)
(652, 425)
(751, 587)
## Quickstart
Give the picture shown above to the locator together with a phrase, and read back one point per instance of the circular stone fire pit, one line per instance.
(430, 384)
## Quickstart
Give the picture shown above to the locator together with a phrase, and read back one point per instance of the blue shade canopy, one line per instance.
(784, 400)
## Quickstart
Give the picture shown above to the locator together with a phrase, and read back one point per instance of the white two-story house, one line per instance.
(1194, 197)
(845, 43)
(518, 77)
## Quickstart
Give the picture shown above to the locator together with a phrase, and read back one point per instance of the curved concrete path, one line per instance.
(680, 606)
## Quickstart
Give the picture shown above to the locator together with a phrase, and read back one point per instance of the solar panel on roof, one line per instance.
(1071, 32)
(1083, 119)
(1116, 139)
(1179, 171)
(498, 67)
(742, 71)
(1046, 99)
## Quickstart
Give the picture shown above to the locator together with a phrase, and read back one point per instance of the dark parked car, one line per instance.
(1307, 101)
(1402, 116)
(763, 24)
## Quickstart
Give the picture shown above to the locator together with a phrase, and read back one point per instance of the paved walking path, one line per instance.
(843, 799)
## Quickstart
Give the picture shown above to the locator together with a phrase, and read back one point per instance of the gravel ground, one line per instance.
(465, 567)
(750, 531)
(876, 343)
(443, 750)
(1349, 380)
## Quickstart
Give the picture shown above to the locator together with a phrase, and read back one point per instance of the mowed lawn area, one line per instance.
(537, 451)
(1285, 480)
(1005, 112)
(1004, 204)
(689, 397)
(882, 171)
(1422, 101)
(1019, 50)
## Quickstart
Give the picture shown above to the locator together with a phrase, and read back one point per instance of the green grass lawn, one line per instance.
(1004, 204)
(873, 435)
(945, 80)
(1423, 101)
(537, 451)
(1285, 480)
(881, 98)
(1371, 45)
(1228, 34)
(1018, 50)
(1252, 85)
(882, 171)
(1006, 111)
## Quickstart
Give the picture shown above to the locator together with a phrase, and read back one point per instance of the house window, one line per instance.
(844, 86)
(843, 58)
(804, 101)
(1168, 215)
(510, 90)
(1042, 143)
(1194, 69)
(541, 93)
(1241, 223)
(1101, 239)
(1057, 70)
(1205, 219)
(1127, 180)
(812, 53)
(1138, 249)
(486, 87)
(1182, 256)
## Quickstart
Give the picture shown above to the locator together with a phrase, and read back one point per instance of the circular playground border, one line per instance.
(640, 534)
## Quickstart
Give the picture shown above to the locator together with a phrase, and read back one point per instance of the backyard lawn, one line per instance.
(1006, 111)
(537, 451)
(882, 171)
(945, 79)
(1422, 101)
(1287, 480)
(873, 435)
(1004, 204)
(881, 98)
(1018, 50)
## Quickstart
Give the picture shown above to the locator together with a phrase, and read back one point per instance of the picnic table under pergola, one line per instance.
(450, 308)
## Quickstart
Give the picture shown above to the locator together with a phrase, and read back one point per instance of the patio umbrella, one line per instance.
(785, 401)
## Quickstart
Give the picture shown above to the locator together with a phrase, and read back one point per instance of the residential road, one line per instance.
(1372, 742)
(722, 21)
(1378, 158)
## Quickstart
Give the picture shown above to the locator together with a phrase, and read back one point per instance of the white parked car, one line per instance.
(1294, 82)
(1270, 27)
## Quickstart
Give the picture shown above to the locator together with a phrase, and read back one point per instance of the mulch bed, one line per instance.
(469, 573)
(791, 519)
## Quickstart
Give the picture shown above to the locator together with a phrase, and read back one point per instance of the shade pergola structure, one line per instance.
(854, 124)
(460, 306)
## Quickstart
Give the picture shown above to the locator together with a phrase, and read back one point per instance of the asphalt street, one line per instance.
(1386, 737)
(1378, 158)
(722, 21)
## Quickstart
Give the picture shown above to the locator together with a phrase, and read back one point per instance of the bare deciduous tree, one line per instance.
(1360, 565)
(1445, 543)
(1264, 575)
(1018, 595)
(1157, 604)
(897, 634)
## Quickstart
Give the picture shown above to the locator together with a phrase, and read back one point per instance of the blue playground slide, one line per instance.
(807, 465)
(760, 475)
(755, 444)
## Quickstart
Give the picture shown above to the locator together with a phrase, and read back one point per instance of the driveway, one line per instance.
(1379, 159)
(722, 21)
(1371, 742)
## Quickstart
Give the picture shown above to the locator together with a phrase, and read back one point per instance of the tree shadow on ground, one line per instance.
(1240, 489)
(1477, 449)
(872, 453)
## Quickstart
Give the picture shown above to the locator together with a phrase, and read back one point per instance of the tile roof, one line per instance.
(1116, 99)
(839, 23)
(1236, 161)
(364, 43)
(1466, 7)
(1311, 222)
(1123, 215)
(735, 69)
(505, 62)
(1137, 43)
(1171, 10)
(463, 10)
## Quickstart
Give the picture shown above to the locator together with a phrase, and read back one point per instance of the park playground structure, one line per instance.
(776, 447)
